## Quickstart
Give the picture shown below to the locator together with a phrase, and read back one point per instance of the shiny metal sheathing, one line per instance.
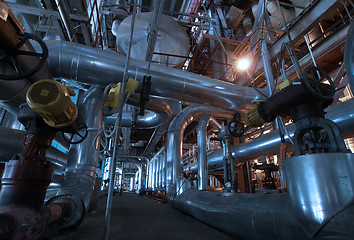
(11, 143)
(202, 149)
(269, 144)
(174, 163)
(101, 67)
(82, 171)
(247, 216)
(320, 187)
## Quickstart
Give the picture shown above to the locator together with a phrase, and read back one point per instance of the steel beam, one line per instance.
(39, 11)
(303, 25)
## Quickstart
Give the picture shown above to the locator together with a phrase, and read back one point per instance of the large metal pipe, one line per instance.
(272, 216)
(202, 150)
(269, 144)
(160, 110)
(174, 164)
(152, 170)
(11, 143)
(248, 216)
(81, 171)
(99, 67)
(149, 120)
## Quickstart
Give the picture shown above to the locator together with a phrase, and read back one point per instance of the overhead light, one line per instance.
(243, 64)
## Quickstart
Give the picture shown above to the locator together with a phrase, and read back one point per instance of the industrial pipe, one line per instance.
(319, 204)
(11, 143)
(174, 164)
(202, 150)
(149, 120)
(269, 144)
(99, 67)
(81, 171)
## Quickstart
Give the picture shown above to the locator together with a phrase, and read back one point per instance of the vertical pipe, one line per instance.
(164, 169)
(202, 153)
(153, 174)
(202, 150)
(150, 176)
(157, 173)
(161, 170)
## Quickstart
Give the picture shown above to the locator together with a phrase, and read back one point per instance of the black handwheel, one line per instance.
(313, 78)
(12, 57)
(236, 128)
(76, 135)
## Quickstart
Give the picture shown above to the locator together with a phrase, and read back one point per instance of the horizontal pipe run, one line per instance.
(98, 67)
(244, 215)
(149, 120)
(269, 144)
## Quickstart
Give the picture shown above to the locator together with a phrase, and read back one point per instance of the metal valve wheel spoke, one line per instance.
(314, 78)
(76, 136)
(11, 57)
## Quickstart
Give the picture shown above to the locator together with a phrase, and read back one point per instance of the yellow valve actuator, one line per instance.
(115, 93)
(51, 100)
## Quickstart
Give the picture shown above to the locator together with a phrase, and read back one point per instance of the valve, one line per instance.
(304, 101)
(11, 56)
(235, 127)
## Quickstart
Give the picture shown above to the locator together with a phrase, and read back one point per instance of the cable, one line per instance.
(105, 146)
(261, 133)
(282, 128)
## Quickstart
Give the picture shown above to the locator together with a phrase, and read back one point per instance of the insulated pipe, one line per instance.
(11, 143)
(148, 176)
(269, 144)
(202, 150)
(248, 216)
(149, 120)
(164, 170)
(160, 172)
(160, 111)
(319, 204)
(99, 67)
(157, 174)
(276, 16)
(152, 174)
(8, 120)
(81, 171)
(13, 94)
(174, 164)
(166, 109)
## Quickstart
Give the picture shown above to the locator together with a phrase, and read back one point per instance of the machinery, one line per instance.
(305, 101)
(27, 176)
